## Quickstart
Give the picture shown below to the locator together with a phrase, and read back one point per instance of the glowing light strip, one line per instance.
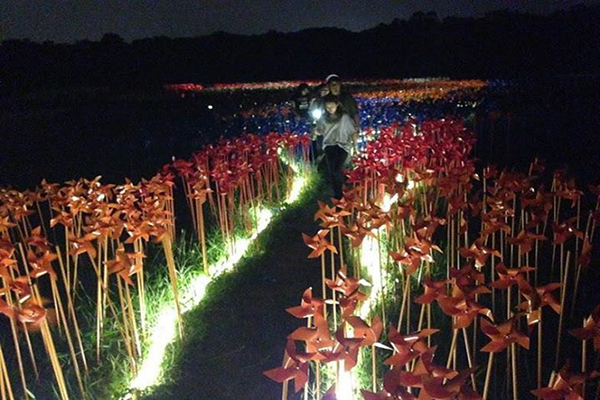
(164, 332)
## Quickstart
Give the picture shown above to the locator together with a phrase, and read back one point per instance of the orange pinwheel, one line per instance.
(318, 243)
(83, 245)
(309, 306)
(316, 338)
(586, 253)
(295, 367)
(329, 216)
(346, 349)
(502, 335)
(469, 279)
(32, 314)
(479, 252)
(566, 386)
(414, 252)
(349, 287)
(433, 290)
(508, 277)
(462, 307)
(368, 334)
(384, 395)
(36, 240)
(565, 230)
(124, 264)
(407, 347)
(591, 330)
(525, 240)
(536, 298)
(41, 265)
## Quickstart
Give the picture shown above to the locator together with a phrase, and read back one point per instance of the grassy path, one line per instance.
(240, 329)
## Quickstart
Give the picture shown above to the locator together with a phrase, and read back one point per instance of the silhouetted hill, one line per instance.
(499, 44)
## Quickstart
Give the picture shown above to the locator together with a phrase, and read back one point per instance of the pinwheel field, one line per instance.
(459, 264)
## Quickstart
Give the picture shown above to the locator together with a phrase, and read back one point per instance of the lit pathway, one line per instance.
(240, 328)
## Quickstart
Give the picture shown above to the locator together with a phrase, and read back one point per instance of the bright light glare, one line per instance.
(369, 258)
(165, 329)
(297, 185)
(316, 113)
(210, 107)
(161, 335)
(343, 388)
(388, 201)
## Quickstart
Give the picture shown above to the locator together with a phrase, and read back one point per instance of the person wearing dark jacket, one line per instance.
(339, 141)
(301, 100)
(346, 100)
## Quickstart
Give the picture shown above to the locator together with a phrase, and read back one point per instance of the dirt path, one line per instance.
(241, 328)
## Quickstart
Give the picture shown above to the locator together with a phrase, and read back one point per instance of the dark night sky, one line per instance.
(70, 20)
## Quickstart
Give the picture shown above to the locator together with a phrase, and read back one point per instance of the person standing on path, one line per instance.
(339, 133)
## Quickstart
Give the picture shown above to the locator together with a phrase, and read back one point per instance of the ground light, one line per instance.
(165, 330)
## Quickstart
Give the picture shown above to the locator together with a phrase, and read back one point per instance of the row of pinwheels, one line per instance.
(83, 239)
(377, 108)
(495, 262)
(277, 85)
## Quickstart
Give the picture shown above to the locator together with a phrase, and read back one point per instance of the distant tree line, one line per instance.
(499, 44)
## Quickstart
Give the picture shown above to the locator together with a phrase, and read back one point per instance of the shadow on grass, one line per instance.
(240, 328)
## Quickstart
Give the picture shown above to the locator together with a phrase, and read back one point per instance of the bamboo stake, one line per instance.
(6, 385)
(51, 350)
(488, 374)
(374, 367)
(71, 309)
(468, 351)
(539, 350)
(562, 305)
(15, 335)
(166, 241)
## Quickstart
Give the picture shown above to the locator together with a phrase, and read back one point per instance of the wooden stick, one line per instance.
(71, 308)
(5, 379)
(167, 247)
(539, 350)
(468, 351)
(374, 367)
(562, 305)
(488, 374)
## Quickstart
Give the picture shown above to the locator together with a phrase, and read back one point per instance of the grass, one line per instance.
(239, 328)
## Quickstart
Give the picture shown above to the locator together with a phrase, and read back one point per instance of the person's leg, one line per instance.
(338, 161)
(330, 161)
